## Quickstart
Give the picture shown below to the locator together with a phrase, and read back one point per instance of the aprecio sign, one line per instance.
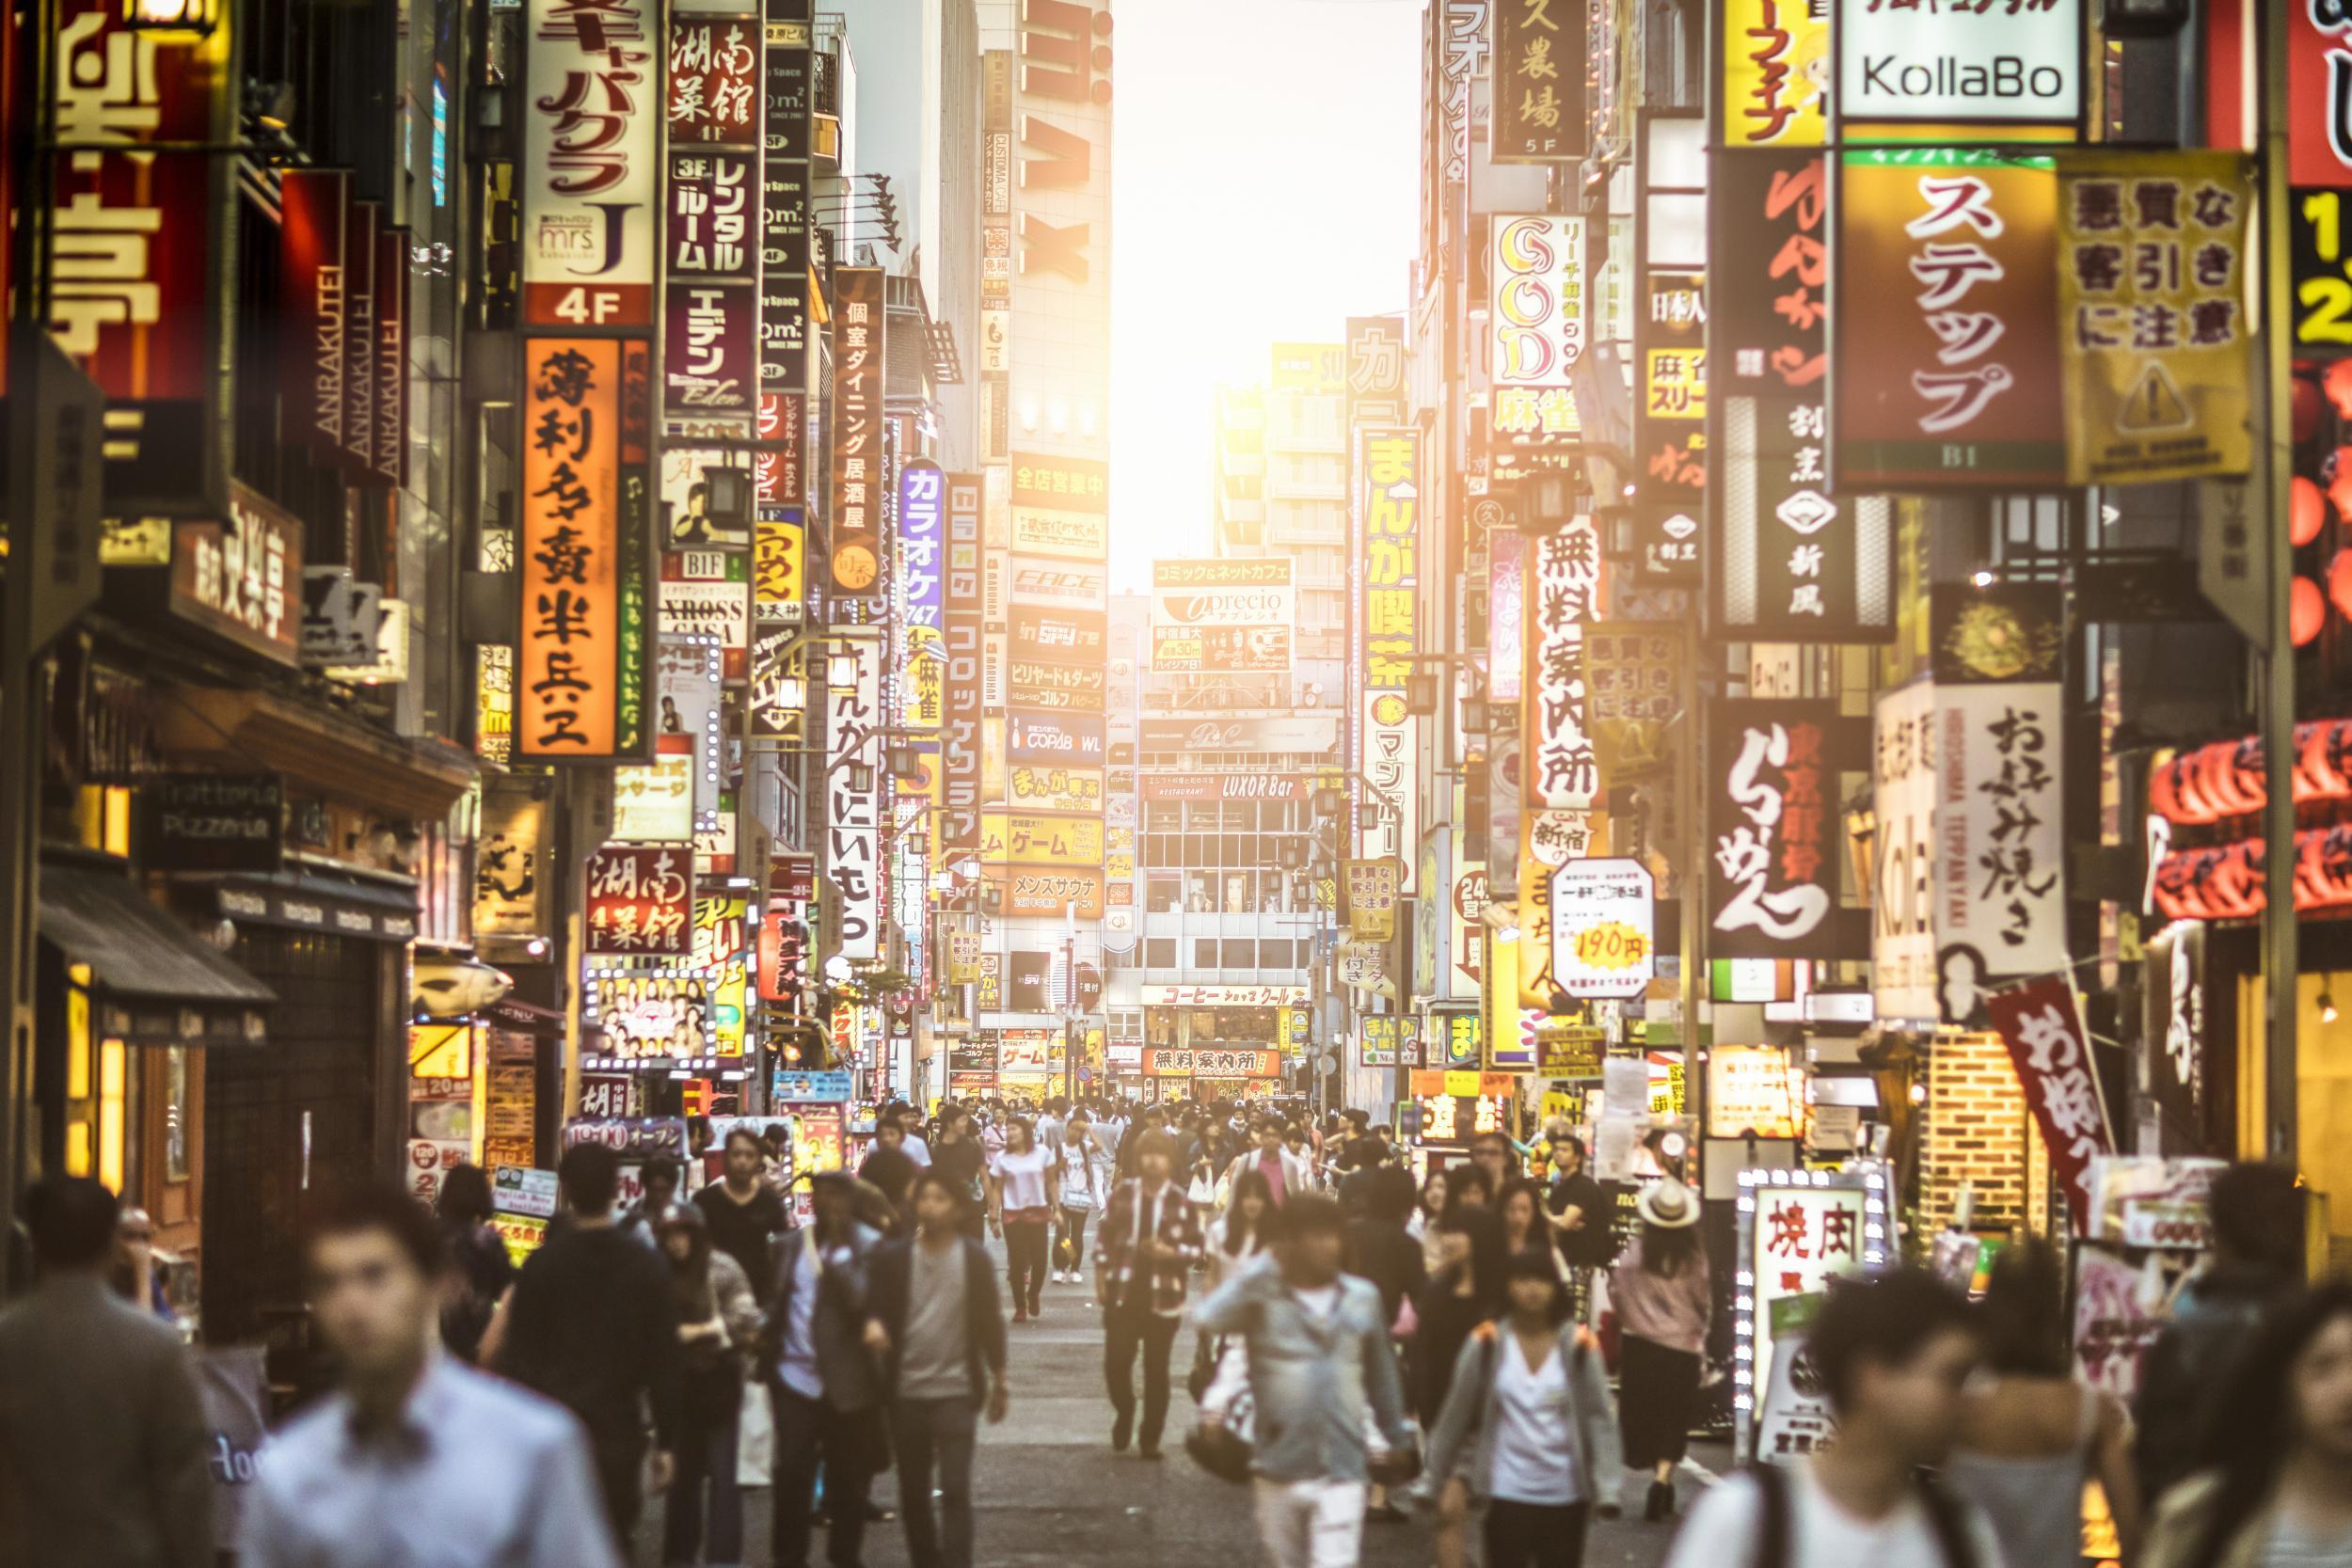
(2008, 63)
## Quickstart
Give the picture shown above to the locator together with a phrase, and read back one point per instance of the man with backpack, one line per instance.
(1891, 1352)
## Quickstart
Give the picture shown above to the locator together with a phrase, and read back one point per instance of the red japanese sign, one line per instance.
(2319, 89)
(641, 902)
(1772, 867)
(392, 357)
(313, 300)
(2042, 1026)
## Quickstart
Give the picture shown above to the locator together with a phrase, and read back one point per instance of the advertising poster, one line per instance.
(1603, 928)
(1221, 617)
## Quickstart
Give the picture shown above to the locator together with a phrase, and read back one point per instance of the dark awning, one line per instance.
(154, 983)
(316, 901)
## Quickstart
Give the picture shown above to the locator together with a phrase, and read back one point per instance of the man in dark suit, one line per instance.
(932, 1316)
(103, 1441)
(821, 1380)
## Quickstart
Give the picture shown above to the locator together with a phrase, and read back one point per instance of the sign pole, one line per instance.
(2278, 934)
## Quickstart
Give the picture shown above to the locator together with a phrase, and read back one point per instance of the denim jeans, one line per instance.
(706, 1459)
(929, 1433)
(809, 1431)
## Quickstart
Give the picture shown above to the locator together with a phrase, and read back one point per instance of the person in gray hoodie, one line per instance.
(1528, 1426)
(1330, 1407)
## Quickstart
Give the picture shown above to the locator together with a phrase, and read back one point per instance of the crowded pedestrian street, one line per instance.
(1175, 783)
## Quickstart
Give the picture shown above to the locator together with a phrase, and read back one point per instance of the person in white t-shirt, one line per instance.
(1891, 1352)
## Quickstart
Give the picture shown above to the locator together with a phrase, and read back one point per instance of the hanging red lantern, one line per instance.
(2307, 509)
(2307, 611)
(2308, 405)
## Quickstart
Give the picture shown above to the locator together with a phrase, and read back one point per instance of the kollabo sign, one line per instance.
(2019, 63)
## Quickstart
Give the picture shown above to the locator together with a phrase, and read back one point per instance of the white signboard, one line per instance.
(1902, 918)
(1559, 771)
(1604, 938)
(854, 723)
(1222, 617)
(1959, 64)
(1223, 996)
(592, 138)
(2000, 835)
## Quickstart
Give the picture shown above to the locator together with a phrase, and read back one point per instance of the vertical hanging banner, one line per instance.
(1772, 811)
(922, 592)
(2152, 319)
(2042, 1023)
(1903, 897)
(313, 204)
(1774, 67)
(1539, 89)
(392, 357)
(857, 448)
(1388, 813)
(784, 270)
(853, 726)
(959, 729)
(1947, 342)
(709, 319)
(583, 668)
(1633, 690)
(136, 294)
(361, 225)
(1786, 561)
(1559, 779)
(1537, 314)
(590, 173)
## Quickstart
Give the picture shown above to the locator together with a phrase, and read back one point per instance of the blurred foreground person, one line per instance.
(417, 1458)
(102, 1447)
(1330, 1407)
(2257, 1219)
(1892, 1352)
(935, 1320)
(2031, 1432)
(1528, 1427)
(590, 1325)
(2281, 1493)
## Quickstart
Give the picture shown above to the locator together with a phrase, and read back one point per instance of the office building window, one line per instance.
(1204, 953)
(1159, 952)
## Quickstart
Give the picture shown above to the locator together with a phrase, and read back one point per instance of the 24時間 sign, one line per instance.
(583, 663)
(591, 144)
(1221, 617)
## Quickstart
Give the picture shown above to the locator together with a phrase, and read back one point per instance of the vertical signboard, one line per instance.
(136, 298)
(1787, 561)
(1771, 824)
(784, 176)
(591, 142)
(1951, 378)
(709, 318)
(857, 447)
(313, 296)
(1902, 896)
(853, 725)
(1536, 323)
(1670, 423)
(1539, 80)
(583, 664)
(1388, 812)
(1773, 56)
(921, 582)
(960, 730)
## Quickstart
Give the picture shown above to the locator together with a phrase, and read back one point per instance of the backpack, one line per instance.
(1771, 1540)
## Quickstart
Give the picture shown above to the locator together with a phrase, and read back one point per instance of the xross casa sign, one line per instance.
(2018, 62)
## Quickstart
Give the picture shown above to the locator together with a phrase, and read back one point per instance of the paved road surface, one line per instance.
(1051, 1493)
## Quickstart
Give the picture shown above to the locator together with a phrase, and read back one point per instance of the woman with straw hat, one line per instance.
(1660, 1289)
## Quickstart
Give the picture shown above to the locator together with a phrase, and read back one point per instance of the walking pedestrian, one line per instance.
(2256, 1216)
(103, 1446)
(1577, 1207)
(1145, 1249)
(1520, 1212)
(480, 1270)
(1891, 1352)
(657, 1180)
(821, 1381)
(961, 1159)
(743, 1211)
(1286, 1173)
(1329, 1406)
(1022, 1194)
(590, 1325)
(2030, 1430)
(1527, 1425)
(933, 1317)
(1380, 1249)
(1464, 1292)
(1660, 1289)
(2278, 1490)
(718, 1321)
(415, 1458)
(1089, 1171)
